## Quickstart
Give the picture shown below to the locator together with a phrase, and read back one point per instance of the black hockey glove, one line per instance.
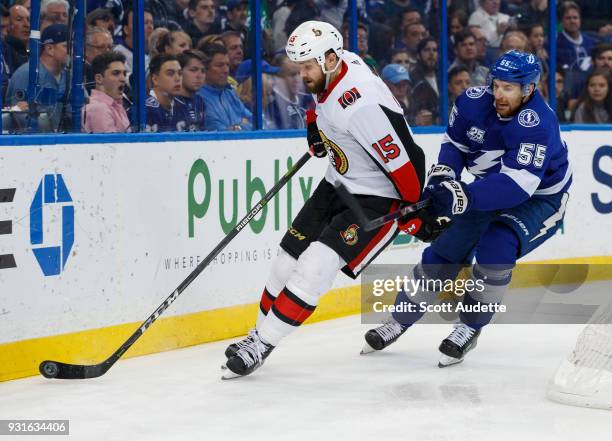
(315, 142)
(423, 226)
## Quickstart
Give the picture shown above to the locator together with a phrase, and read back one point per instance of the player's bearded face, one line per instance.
(312, 76)
(508, 97)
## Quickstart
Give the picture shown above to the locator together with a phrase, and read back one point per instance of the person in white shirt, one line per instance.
(492, 23)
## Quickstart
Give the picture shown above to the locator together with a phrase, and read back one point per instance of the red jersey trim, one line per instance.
(323, 95)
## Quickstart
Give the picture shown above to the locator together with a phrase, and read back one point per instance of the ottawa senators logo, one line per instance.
(337, 157)
(349, 97)
(349, 236)
(317, 32)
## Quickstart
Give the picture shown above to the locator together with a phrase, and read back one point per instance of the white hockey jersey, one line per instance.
(368, 141)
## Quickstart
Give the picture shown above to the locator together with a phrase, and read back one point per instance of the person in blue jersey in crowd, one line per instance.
(508, 138)
(192, 64)
(165, 112)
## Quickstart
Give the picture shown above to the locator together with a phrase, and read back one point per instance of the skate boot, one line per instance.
(454, 347)
(248, 358)
(381, 337)
(235, 347)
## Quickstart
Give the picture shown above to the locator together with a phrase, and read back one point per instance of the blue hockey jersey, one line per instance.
(162, 120)
(511, 158)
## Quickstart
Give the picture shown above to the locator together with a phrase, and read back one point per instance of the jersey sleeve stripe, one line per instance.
(523, 178)
(554, 189)
(448, 139)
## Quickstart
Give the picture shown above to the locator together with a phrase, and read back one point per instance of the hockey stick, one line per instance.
(371, 224)
(56, 369)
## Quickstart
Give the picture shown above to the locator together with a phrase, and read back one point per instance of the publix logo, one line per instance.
(225, 193)
(51, 257)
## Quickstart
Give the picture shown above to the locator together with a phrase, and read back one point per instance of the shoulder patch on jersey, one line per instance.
(528, 118)
(152, 102)
(475, 92)
(476, 134)
(349, 97)
(453, 115)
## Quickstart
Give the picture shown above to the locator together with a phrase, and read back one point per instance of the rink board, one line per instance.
(95, 236)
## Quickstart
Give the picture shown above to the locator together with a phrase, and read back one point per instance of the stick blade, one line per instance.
(65, 371)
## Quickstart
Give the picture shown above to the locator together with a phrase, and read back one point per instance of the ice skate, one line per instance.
(382, 336)
(454, 347)
(248, 358)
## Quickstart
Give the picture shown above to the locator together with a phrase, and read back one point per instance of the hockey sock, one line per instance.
(283, 266)
(498, 244)
(314, 275)
(495, 280)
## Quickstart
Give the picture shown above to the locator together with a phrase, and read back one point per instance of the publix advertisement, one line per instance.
(99, 234)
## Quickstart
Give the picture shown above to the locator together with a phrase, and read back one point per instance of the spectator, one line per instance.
(407, 17)
(397, 79)
(233, 42)
(236, 17)
(535, 36)
(51, 76)
(5, 19)
(178, 12)
(458, 82)
(165, 113)
(465, 55)
(245, 89)
(602, 56)
(101, 18)
(413, 34)
(56, 10)
(97, 41)
(288, 106)
(532, 12)
(573, 46)
(194, 74)
(127, 43)
(202, 14)
(224, 110)
(154, 38)
(514, 39)
(563, 112)
(25, 3)
(173, 43)
(457, 22)
(425, 89)
(18, 36)
(279, 19)
(595, 103)
(362, 43)
(333, 11)
(47, 20)
(482, 55)
(105, 113)
(207, 41)
(303, 11)
(401, 57)
(492, 22)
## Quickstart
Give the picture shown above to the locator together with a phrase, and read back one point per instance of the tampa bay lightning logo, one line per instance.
(528, 118)
(476, 92)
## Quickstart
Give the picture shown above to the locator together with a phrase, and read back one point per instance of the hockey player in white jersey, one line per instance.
(360, 127)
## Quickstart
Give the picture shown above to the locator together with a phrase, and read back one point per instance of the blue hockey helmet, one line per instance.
(516, 67)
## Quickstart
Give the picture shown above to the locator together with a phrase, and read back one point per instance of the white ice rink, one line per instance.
(316, 386)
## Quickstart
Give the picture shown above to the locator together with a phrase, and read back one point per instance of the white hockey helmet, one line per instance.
(312, 39)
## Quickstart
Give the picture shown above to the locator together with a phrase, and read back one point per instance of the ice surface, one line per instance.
(315, 386)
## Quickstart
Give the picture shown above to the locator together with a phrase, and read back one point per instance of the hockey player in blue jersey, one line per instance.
(508, 138)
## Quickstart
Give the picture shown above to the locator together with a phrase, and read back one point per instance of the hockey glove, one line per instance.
(439, 173)
(423, 226)
(315, 142)
(448, 198)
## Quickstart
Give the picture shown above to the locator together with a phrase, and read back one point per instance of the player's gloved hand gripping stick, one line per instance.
(56, 369)
(372, 224)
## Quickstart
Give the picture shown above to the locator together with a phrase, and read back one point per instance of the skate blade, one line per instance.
(228, 374)
(446, 361)
(367, 349)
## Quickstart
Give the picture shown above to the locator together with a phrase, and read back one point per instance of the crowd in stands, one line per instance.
(199, 55)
